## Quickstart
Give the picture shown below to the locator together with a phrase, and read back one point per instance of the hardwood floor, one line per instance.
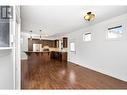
(65, 75)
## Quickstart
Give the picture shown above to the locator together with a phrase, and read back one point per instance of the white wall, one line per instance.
(6, 69)
(106, 56)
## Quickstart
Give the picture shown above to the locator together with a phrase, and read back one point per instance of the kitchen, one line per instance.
(45, 50)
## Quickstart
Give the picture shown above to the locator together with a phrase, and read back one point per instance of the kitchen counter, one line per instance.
(30, 52)
(45, 56)
(44, 51)
(38, 56)
(37, 51)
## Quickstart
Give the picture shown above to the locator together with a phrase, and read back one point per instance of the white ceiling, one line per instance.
(57, 20)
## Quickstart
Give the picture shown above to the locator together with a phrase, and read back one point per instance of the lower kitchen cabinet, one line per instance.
(64, 56)
(61, 56)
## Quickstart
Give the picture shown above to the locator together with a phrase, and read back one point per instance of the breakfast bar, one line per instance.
(39, 56)
(45, 56)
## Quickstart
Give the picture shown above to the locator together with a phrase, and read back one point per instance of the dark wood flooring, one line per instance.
(65, 75)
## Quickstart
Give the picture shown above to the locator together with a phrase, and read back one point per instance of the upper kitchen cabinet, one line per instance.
(65, 41)
(30, 44)
(49, 43)
(45, 43)
(56, 44)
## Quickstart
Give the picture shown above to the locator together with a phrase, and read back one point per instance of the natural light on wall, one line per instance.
(115, 32)
(87, 37)
(72, 47)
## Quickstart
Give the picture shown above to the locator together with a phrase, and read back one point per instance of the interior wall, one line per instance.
(6, 69)
(101, 54)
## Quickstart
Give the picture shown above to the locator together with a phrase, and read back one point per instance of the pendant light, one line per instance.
(40, 34)
(31, 35)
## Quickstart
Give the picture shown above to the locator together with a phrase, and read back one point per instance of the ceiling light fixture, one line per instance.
(89, 16)
(40, 34)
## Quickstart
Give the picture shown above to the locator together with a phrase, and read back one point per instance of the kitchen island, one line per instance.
(45, 56)
(39, 56)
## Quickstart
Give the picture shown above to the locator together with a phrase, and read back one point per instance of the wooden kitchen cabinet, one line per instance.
(64, 56)
(56, 44)
(61, 56)
(30, 45)
(51, 43)
(44, 42)
(65, 41)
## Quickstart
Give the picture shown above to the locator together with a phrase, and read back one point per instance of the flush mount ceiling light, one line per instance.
(89, 16)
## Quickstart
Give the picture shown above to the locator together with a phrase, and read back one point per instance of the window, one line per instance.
(6, 12)
(72, 46)
(114, 32)
(87, 37)
(4, 34)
